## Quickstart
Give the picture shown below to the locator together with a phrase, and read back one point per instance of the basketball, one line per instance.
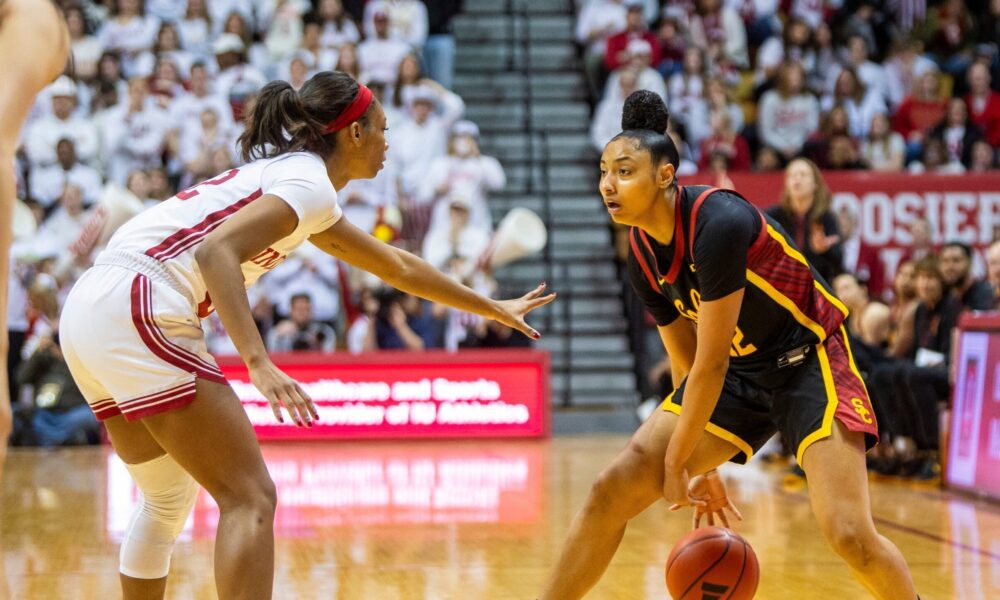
(712, 562)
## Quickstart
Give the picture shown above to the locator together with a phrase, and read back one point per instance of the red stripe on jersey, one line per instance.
(642, 261)
(694, 216)
(183, 239)
(795, 281)
(146, 406)
(142, 319)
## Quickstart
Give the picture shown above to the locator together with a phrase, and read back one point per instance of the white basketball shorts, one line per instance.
(134, 343)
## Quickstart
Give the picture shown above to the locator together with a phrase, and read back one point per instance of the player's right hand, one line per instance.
(281, 390)
(711, 487)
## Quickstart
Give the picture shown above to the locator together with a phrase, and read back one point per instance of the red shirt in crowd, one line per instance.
(618, 42)
(738, 152)
(918, 115)
(988, 118)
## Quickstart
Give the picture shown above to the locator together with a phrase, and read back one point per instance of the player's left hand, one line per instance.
(711, 487)
(512, 312)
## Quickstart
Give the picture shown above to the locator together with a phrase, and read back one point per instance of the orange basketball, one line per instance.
(712, 563)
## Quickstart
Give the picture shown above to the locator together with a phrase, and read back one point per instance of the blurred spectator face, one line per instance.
(347, 61)
(221, 160)
(798, 33)
(128, 8)
(109, 68)
(667, 30)
(841, 153)
(720, 121)
(209, 120)
(410, 304)
(381, 25)
(62, 106)
(846, 222)
(768, 159)
(330, 9)
(904, 285)
(979, 79)
(847, 84)
(709, 6)
(935, 154)
(800, 182)
(196, 9)
(66, 153)
(166, 72)
(957, 112)
(300, 311)
(159, 184)
(464, 145)
(852, 293)
(72, 200)
(929, 86)
(311, 34)
(421, 109)
(75, 23)
(982, 156)
(235, 24)
(838, 120)
(930, 288)
(167, 39)
(297, 72)
(409, 69)
(228, 59)
(634, 19)
(692, 61)
(138, 184)
(993, 264)
(920, 231)
(857, 50)
(138, 91)
(824, 37)
(955, 266)
(199, 80)
(879, 126)
(790, 79)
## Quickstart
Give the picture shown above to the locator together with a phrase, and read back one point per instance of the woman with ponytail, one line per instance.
(132, 337)
(756, 345)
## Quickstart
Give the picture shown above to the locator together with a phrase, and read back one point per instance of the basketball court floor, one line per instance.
(462, 520)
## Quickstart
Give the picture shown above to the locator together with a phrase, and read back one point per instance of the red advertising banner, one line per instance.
(329, 489)
(965, 207)
(974, 442)
(431, 394)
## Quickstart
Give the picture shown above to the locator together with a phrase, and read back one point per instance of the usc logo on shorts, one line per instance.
(862, 410)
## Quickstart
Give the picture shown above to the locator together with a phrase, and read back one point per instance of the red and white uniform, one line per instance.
(130, 328)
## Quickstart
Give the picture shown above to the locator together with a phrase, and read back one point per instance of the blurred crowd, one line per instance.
(901, 328)
(885, 85)
(152, 103)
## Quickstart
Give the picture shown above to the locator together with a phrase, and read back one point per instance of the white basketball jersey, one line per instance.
(171, 231)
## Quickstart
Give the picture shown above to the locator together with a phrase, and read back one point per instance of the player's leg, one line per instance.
(212, 439)
(838, 490)
(165, 505)
(34, 43)
(632, 482)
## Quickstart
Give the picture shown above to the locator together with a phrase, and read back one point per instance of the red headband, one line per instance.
(353, 111)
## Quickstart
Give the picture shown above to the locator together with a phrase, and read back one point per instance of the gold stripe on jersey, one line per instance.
(826, 429)
(786, 302)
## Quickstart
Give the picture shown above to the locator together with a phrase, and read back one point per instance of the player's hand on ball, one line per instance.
(512, 312)
(281, 390)
(710, 486)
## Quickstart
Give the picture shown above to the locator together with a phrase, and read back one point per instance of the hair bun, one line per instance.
(645, 110)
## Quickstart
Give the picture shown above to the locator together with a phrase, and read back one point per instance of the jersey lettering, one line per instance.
(862, 410)
(268, 259)
(738, 348)
(191, 192)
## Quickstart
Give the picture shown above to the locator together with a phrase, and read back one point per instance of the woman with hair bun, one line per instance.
(132, 336)
(761, 348)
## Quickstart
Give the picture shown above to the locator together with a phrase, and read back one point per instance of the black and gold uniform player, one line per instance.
(756, 345)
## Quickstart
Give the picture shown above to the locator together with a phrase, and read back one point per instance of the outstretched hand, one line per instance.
(512, 312)
(710, 488)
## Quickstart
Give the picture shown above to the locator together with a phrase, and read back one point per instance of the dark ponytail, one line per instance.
(283, 120)
(645, 119)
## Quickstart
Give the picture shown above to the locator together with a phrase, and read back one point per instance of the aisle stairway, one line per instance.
(518, 71)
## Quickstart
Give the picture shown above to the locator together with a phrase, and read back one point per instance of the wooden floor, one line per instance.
(442, 520)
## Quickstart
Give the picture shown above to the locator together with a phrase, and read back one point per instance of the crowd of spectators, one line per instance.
(850, 84)
(152, 103)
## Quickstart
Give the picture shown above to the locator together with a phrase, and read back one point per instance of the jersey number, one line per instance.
(739, 346)
(191, 192)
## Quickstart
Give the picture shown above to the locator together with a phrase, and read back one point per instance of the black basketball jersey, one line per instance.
(723, 243)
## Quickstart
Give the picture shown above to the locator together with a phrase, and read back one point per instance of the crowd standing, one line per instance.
(152, 104)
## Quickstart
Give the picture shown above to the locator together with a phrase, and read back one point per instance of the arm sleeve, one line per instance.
(664, 313)
(722, 238)
(301, 181)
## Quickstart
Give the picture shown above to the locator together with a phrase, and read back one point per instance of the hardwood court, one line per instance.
(462, 520)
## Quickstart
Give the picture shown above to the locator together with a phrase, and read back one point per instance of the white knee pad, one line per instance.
(168, 495)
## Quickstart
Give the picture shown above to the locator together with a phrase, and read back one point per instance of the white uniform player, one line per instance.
(148, 275)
